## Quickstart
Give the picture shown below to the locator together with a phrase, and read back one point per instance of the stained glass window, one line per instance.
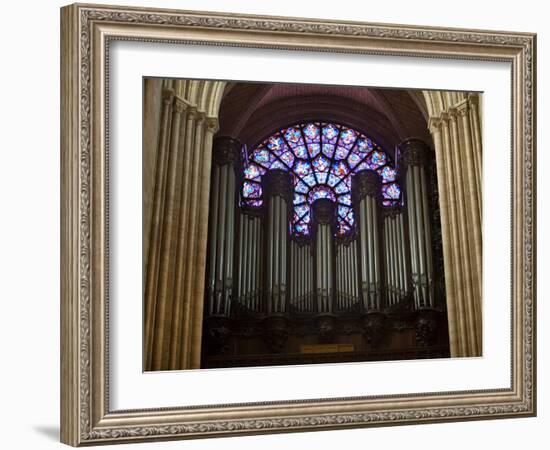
(323, 158)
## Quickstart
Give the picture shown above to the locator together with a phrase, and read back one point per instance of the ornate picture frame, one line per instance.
(87, 31)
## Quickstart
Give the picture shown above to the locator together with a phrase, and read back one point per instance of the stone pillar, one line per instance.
(221, 242)
(277, 188)
(366, 190)
(414, 157)
(457, 138)
(174, 274)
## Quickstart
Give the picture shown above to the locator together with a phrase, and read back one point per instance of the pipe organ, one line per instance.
(395, 255)
(301, 278)
(324, 215)
(278, 188)
(249, 257)
(347, 287)
(366, 190)
(414, 154)
(221, 245)
(254, 258)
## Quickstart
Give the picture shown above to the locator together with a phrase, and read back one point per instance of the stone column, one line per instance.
(414, 157)
(174, 274)
(457, 139)
(277, 188)
(366, 189)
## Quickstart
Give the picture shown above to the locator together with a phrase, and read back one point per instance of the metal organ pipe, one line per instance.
(226, 152)
(278, 187)
(414, 154)
(366, 189)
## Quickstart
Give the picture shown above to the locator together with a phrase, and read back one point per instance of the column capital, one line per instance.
(435, 124)
(168, 96)
(414, 152)
(225, 149)
(179, 105)
(278, 182)
(366, 182)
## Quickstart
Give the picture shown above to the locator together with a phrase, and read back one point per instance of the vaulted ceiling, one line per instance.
(252, 111)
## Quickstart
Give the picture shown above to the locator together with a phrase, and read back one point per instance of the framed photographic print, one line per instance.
(277, 224)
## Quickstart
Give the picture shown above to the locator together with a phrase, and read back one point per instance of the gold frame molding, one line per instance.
(86, 31)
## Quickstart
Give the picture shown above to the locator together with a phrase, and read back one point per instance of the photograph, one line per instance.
(324, 241)
(275, 224)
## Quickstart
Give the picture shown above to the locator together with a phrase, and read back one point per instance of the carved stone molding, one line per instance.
(226, 150)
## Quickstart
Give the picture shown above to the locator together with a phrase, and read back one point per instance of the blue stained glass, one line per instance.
(311, 132)
(341, 152)
(262, 156)
(301, 188)
(277, 165)
(253, 172)
(314, 149)
(391, 191)
(321, 191)
(345, 199)
(251, 190)
(275, 143)
(343, 210)
(288, 158)
(300, 151)
(388, 174)
(330, 132)
(310, 180)
(364, 145)
(342, 188)
(343, 228)
(254, 203)
(319, 172)
(293, 135)
(339, 169)
(302, 168)
(377, 159)
(347, 137)
(328, 149)
(299, 198)
(321, 164)
(302, 228)
(354, 158)
(333, 180)
(321, 177)
(365, 165)
(301, 210)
